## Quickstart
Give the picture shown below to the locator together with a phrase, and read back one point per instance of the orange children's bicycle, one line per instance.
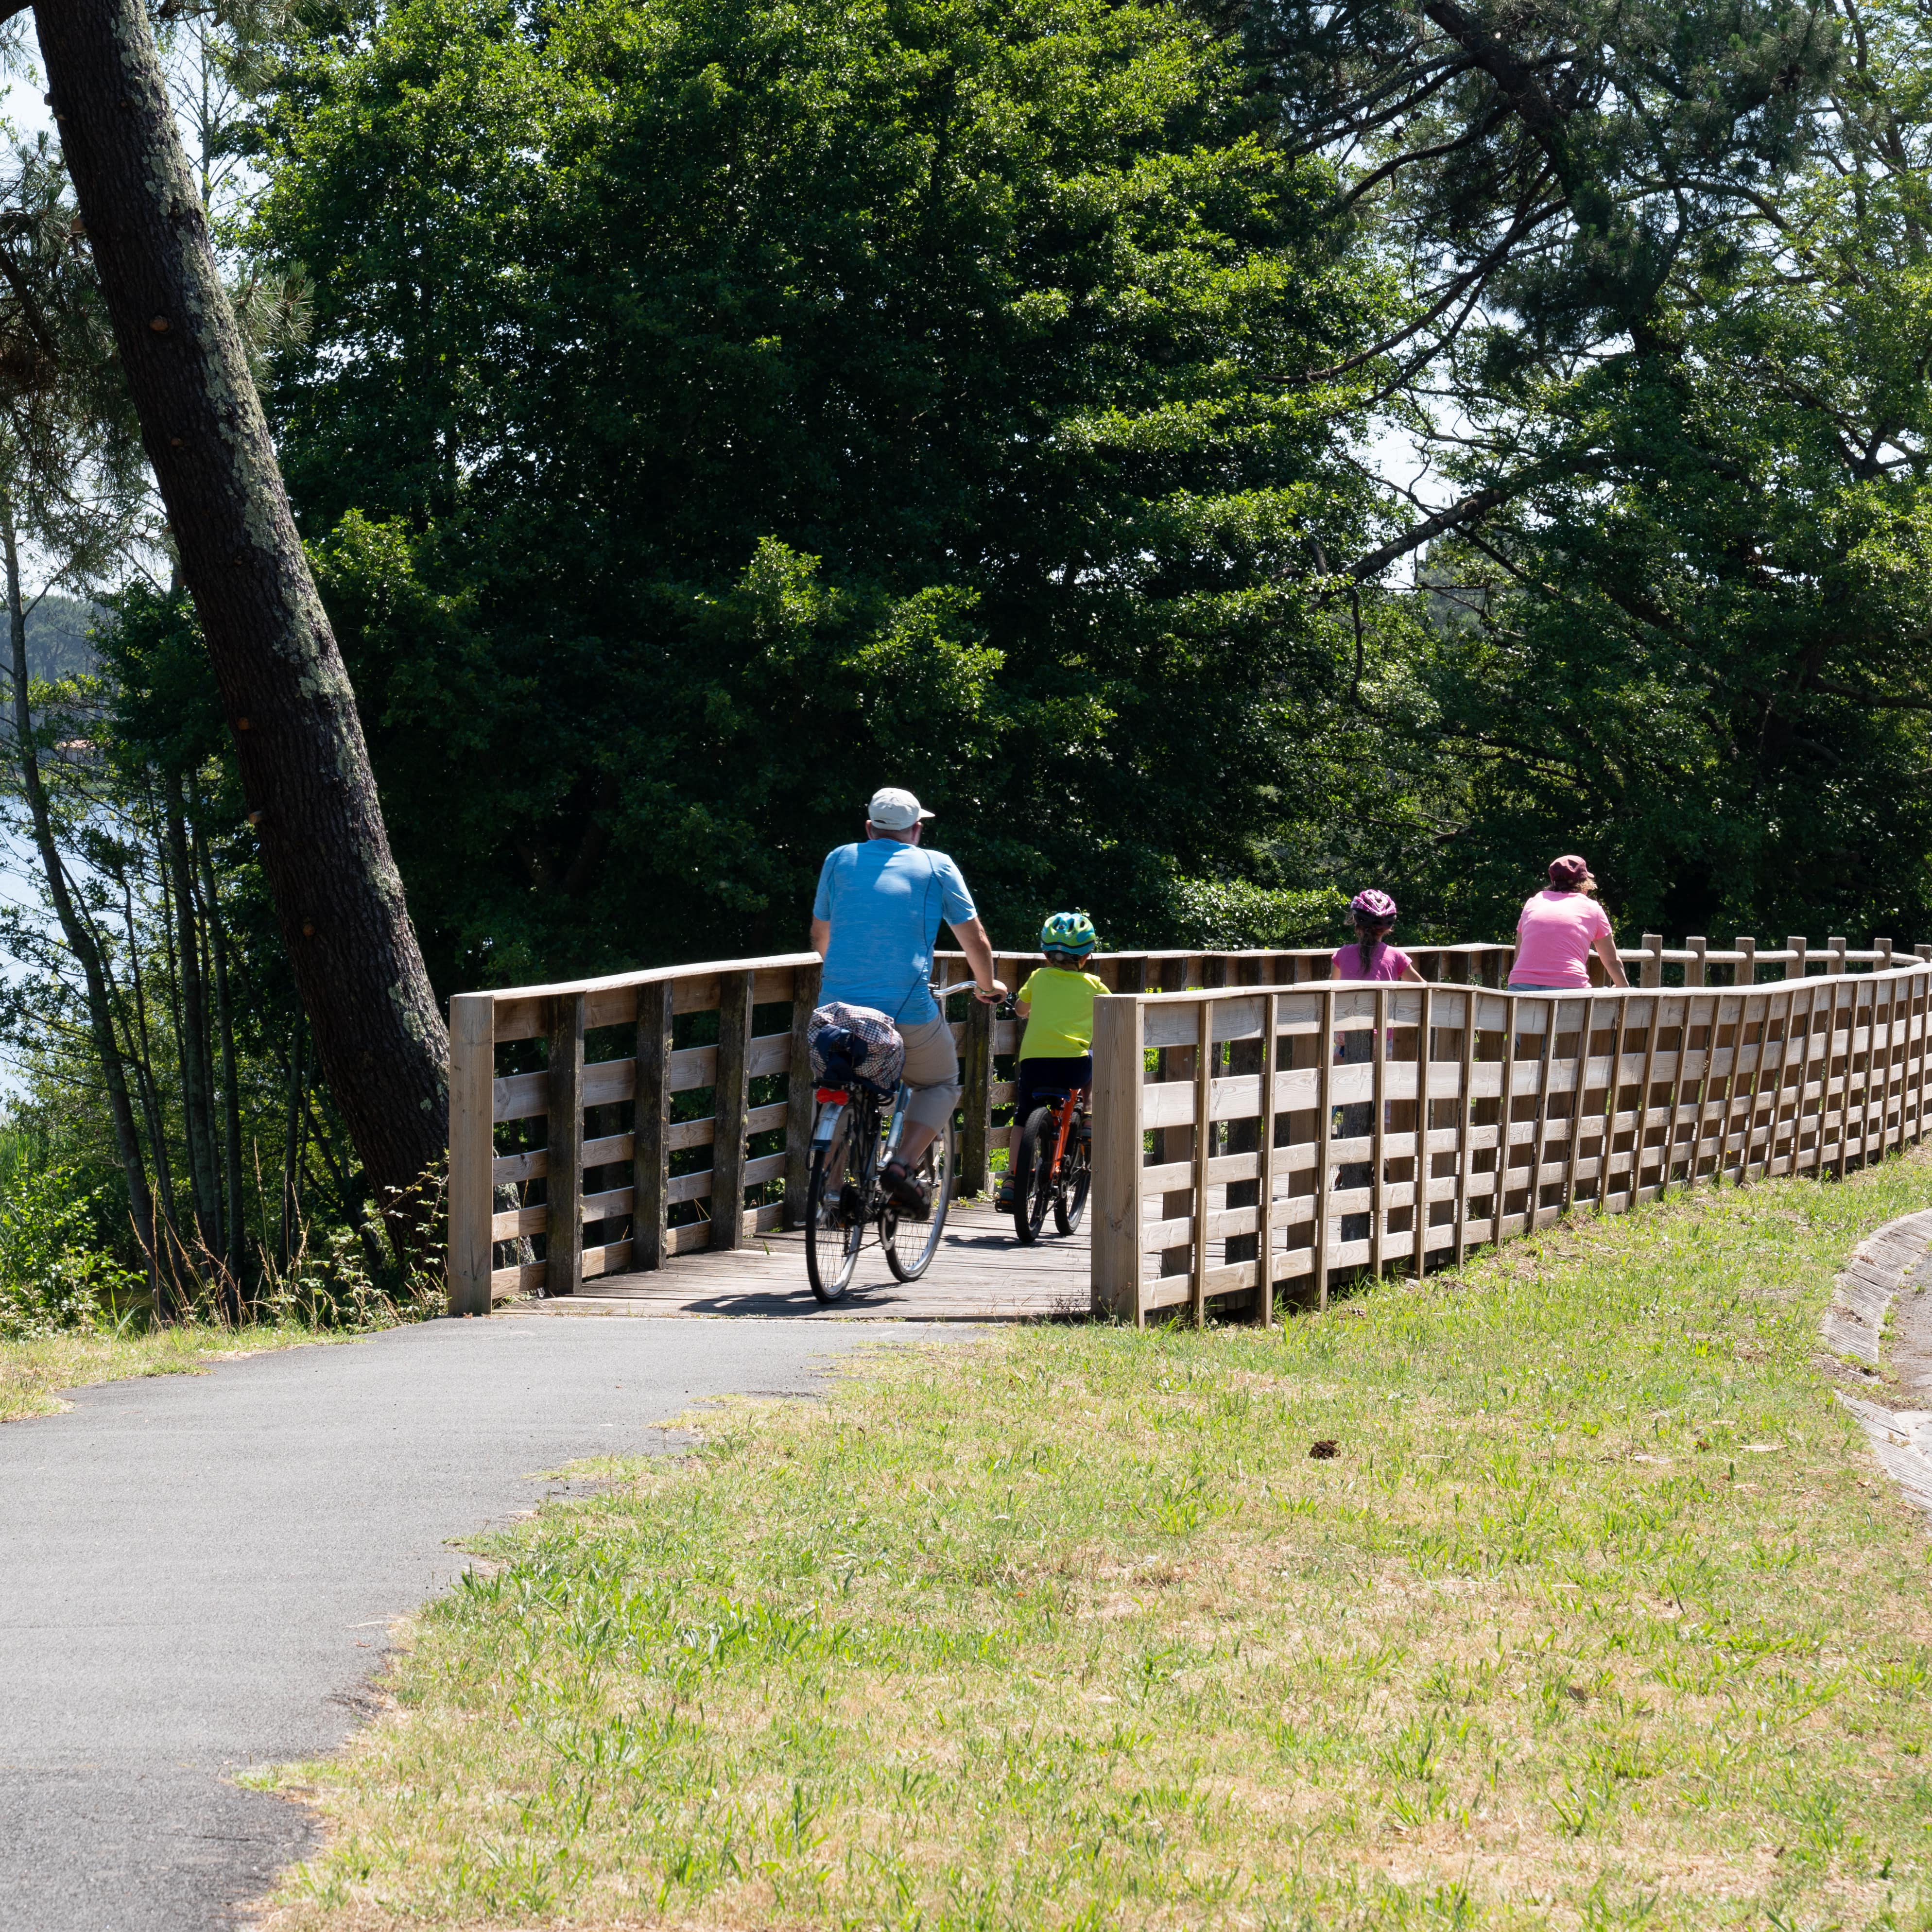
(1052, 1164)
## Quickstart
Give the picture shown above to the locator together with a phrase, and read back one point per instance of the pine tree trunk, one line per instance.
(75, 930)
(380, 1039)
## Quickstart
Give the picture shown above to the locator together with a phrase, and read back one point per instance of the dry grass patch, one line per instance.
(1595, 1617)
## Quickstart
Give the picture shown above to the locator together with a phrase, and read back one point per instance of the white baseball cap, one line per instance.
(893, 810)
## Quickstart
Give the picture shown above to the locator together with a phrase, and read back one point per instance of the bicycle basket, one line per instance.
(852, 1046)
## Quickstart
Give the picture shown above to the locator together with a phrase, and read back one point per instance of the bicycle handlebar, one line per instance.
(959, 986)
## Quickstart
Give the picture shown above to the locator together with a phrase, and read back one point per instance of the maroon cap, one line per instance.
(1570, 874)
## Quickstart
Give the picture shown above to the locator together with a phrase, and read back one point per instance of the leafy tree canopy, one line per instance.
(1692, 635)
(712, 411)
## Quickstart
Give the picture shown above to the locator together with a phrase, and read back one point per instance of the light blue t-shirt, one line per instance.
(884, 901)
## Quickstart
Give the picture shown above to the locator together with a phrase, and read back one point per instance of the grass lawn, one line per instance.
(1600, 1614)
(33, 1373)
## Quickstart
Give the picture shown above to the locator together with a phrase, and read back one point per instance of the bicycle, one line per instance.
(852, 1138)
(1052, 1165)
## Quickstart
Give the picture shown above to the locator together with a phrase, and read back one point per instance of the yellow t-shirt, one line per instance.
(1060, 1025)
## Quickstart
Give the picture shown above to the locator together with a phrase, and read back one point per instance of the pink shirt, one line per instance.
(1388, 962)
(1554, 937)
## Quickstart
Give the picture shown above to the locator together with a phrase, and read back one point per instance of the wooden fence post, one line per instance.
(1612, 1087)
(1377, 1086)
(1892, 987)
(563, 1252)
(1204, 1143)
(731, 1101)
(1653, 964)
(1869, 1070)
(1676, 1097)
(1878, 1069)
(1694, 967)
(1506, 1108)
(1576, 1101)
(473, 1151)
(976, 1050)
(1539, 1133)
(1824, 1074)
(1325, 1122)
(1921, 1001)
(650, 1127)
(1264, 1196)
(1418, 1214)
(1727, 1104)
(1831, 1055)
(1640, 1142)
(1781, 1004)
(1464, 1101)
(1706, 1085)
(801, 1109)
(1119, 1096)
(1745, 975)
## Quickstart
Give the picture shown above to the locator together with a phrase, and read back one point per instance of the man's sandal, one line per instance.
(907, 1194)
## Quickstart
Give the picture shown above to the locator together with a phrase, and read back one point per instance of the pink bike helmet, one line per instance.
(1373, 905)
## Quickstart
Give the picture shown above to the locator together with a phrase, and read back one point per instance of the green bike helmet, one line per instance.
(1069, 932)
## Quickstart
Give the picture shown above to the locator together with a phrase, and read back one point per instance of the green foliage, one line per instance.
(1232, 914)
(712, 411)
(53, 1272)
(1693, 643)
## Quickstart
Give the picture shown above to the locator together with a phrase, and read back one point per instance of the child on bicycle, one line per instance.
(1370, 956)
(1056, 1004)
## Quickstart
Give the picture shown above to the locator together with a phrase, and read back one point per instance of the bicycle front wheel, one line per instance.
(834, 1231)
(910, 1245)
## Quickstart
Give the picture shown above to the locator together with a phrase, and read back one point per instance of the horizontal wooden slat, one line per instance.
(613, 1000)
(606, 1206)
(520, 1096)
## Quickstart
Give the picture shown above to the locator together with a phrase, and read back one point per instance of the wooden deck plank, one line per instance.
(981, 1273)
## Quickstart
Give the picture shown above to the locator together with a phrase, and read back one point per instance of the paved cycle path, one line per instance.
(196, 1574)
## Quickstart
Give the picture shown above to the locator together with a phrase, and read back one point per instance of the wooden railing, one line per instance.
(635, 1105)
(1406, 1122)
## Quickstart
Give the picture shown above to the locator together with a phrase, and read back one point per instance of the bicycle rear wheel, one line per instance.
(1033, 1176)
(834, 1231)
(910, 1245)
(1069, 1196)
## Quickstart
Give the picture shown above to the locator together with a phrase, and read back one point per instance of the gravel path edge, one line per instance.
(1854, 1329)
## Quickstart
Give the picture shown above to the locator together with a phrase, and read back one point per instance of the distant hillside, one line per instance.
(57, 645)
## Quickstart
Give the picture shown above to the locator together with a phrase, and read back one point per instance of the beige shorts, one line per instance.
(932, 1072)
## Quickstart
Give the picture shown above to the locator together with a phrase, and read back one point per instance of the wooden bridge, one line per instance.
(634, 1142)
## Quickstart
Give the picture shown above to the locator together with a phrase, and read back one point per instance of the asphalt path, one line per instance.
(196, 1574)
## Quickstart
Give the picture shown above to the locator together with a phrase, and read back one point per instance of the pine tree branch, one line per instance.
(1470, 509)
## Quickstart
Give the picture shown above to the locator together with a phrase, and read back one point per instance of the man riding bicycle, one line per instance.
(875, 921)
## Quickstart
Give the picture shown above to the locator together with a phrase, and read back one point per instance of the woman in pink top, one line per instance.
(1558, 931)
